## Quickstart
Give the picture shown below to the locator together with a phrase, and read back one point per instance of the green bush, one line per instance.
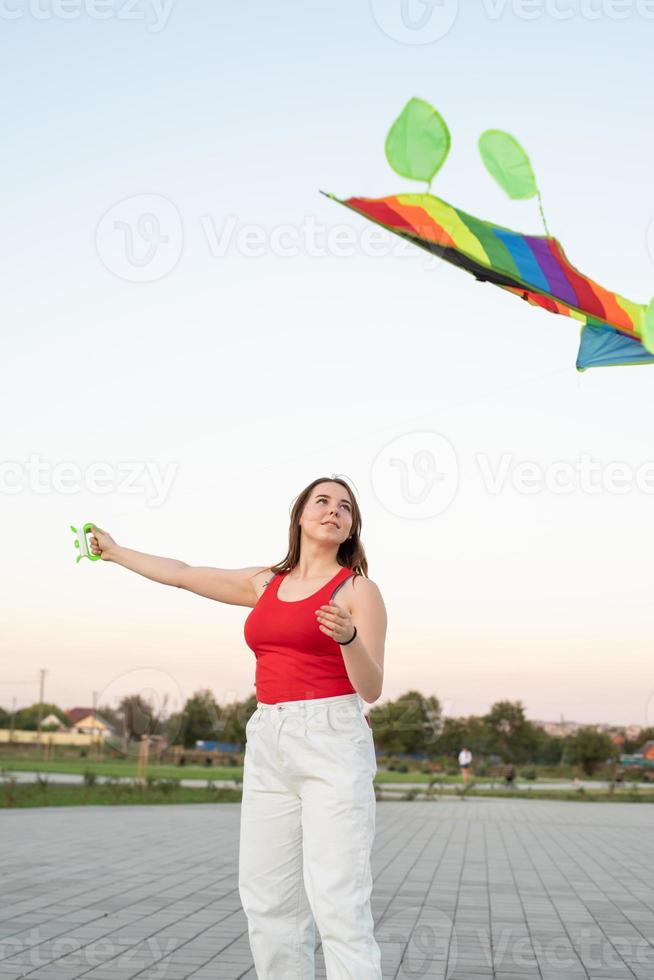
(10, 791)
(168, 786)
(89, 777)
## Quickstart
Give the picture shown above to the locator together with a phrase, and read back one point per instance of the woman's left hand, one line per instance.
(335, 622)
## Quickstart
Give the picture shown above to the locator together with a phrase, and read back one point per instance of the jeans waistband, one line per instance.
(303, 705)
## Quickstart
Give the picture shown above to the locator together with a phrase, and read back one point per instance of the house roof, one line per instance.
(76, 714)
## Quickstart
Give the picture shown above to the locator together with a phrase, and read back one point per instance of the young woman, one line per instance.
(308, 808)
(465, 761)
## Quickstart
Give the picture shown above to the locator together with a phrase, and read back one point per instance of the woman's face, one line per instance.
(327, 514)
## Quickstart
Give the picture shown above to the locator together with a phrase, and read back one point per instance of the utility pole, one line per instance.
(42, 673)
(11, 724)
(95, 736)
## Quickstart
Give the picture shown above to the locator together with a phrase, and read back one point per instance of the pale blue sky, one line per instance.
(245, 375)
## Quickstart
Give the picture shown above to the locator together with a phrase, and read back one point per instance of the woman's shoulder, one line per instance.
(262, 580)
(358, 585)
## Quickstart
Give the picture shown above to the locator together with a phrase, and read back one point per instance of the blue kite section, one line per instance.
(602, 346)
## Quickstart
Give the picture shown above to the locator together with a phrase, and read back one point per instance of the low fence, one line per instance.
(19, 736)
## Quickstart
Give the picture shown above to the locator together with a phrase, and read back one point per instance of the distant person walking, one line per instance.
(307, 819)
(465, 762)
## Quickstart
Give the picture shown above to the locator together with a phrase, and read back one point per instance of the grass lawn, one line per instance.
(127, 768)
(19, 795)
(118, 767)
(580, 796)
(31, 795)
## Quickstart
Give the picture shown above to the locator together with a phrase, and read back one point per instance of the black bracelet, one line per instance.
(351, 638)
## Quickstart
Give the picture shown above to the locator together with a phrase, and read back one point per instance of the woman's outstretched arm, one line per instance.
(231, 585)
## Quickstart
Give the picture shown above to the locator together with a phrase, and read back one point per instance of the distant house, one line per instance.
(647, 750)
(86, 721)
(53, 721)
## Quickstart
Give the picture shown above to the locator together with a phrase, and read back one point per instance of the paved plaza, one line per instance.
(464, 889)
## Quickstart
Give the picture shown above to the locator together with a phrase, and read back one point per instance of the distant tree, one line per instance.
(112, 716)
(5, 718)
(549, 751)
(200, 718)
(411, 723)
(173, 728)
(452, 737)
(234, 718)
(511, 735)
(138, 717)
(27, 719)
(457, 732)
(590, 749)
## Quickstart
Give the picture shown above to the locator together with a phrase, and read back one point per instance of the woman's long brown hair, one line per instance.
(350, 554)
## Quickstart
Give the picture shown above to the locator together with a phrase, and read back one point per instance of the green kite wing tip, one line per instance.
(418, 142)
(648, 328)
(508, 164)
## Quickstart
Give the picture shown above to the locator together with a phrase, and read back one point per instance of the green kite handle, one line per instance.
(82, 543)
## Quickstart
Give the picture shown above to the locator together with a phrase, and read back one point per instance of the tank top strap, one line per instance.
(273, 585)
(342, 578)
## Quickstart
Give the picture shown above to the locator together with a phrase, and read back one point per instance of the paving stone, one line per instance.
(463, 890)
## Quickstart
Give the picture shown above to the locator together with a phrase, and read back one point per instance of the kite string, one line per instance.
(542, 214)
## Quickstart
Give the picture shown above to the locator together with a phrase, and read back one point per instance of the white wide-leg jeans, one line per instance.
(307, 829)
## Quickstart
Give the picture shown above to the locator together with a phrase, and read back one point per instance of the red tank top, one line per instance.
(295, 660)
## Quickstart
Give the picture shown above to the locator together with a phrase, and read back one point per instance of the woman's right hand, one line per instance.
(101, 543)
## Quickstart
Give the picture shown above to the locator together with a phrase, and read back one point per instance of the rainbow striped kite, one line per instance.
(615, 331)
